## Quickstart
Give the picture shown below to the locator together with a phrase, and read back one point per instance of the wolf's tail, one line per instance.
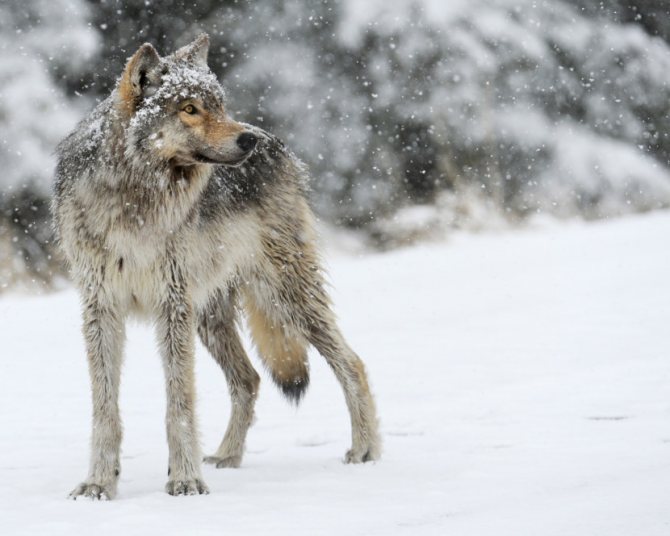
(283, 353)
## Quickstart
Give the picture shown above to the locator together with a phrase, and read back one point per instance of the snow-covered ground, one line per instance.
(522, 379)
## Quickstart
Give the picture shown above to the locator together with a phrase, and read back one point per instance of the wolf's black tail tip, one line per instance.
(293, 389)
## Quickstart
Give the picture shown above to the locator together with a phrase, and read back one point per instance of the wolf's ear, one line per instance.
(195, 52)
(136, 81)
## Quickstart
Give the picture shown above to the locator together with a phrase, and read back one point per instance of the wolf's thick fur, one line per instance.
(167, 208)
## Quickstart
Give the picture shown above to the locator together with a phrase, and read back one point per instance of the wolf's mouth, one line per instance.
(199, 157)
(204, 159)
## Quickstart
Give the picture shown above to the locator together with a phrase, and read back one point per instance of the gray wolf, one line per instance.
(165, 207)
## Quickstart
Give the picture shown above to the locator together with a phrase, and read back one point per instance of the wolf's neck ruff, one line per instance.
(181, 173)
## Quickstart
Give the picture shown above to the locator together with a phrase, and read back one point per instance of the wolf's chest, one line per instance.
(208, 257)
(133, 272)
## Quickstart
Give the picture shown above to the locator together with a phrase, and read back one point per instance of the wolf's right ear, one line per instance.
(135, 80)
(195, 52)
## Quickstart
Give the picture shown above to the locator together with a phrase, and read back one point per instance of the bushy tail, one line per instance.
(283, 354)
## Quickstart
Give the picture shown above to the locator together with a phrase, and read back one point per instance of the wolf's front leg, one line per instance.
(104, 335)
(176, 335)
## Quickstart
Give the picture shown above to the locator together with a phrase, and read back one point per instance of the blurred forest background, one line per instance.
(413, 116)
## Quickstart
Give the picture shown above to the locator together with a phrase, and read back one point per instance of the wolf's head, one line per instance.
(176, 111)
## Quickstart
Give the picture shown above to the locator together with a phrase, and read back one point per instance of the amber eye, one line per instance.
(189, 109)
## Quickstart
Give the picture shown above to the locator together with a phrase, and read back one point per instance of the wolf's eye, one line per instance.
(189, 109)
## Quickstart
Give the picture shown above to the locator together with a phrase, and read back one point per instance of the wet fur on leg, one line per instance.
(218, 333)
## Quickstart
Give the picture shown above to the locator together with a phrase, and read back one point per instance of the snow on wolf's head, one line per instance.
(175, 109)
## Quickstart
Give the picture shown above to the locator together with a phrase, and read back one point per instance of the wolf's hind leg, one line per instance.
(289, 285)
(302, 306)
(217, 330)
(104, 336)
(350, 372)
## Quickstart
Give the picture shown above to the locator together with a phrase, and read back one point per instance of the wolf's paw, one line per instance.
(186, 487)
(366, 453)
(224, 461)
(94, 492)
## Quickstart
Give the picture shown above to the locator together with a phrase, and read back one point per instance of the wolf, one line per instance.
(166, 208)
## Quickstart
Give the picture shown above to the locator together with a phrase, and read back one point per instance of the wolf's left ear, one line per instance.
(195, 52)
(136, 79)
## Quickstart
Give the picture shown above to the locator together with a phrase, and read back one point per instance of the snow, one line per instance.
(392, 15)
(34, 112)
(494, 89)
(521, 378)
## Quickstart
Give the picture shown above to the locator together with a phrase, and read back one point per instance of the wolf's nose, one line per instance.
(247, 141)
